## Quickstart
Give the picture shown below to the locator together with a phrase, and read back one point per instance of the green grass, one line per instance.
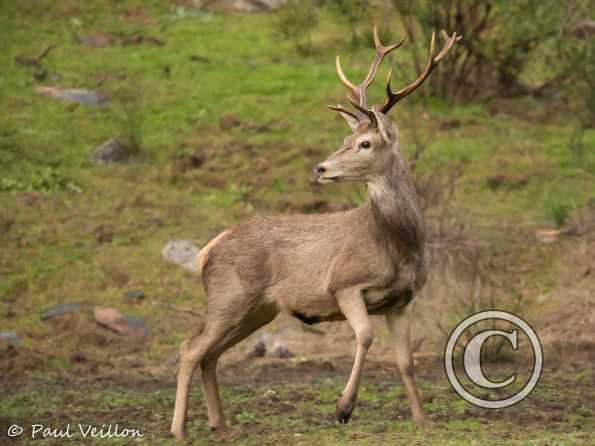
(53, 201)
(50, 253)
(303, 412)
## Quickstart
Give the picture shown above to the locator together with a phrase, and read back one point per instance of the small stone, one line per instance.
(11, 338)
(112, 151)
(274, 345)
(60, 310)
(135, 295)
(181, 252)
(112, 319)
(271, 396)
(80, 96)
(137, 325)
(547, 235)
(254, 5)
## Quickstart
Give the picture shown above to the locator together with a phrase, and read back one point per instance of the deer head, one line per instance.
(373, 146)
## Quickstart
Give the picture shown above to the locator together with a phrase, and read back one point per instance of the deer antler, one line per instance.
(393, 98)
(357, 96)
(359, 99)
(342, 109)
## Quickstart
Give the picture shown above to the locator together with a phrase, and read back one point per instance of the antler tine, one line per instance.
(350, 85)
(359, 91)
(381, 52)
(449, 42)
(363, 111)
(339, 108)
(393, 98)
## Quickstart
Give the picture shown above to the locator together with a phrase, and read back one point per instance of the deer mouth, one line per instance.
(324, 180)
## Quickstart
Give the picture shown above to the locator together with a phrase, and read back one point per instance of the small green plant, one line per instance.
(280, 185)
(44, 180)
(296, 20)
(245, 417)
(129, 108)
(558, 212)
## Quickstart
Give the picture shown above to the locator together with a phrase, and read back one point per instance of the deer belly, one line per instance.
(379, 300)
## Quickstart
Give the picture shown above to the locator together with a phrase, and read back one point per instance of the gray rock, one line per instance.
(111, 151)
(137, 324)
(11, 338)
(181, 252)
(254, 5)
(135, 295)
(60, 310)
(85, 97)
(112, 319)
(274, 346)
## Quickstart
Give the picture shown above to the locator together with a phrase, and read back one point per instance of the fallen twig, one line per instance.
(177, 308)
(35, 61)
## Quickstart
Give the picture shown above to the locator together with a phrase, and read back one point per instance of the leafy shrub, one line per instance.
(352, 13)
(296, 20)
(500, 42)
(483, 291)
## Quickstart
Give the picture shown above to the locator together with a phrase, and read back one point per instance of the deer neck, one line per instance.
(397, 220)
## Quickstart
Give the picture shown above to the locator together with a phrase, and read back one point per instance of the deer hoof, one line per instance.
(344, 411)
(179, 435)
(423, 420)
(221, 432)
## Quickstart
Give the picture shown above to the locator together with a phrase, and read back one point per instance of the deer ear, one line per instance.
(385, 126)
(351, 121)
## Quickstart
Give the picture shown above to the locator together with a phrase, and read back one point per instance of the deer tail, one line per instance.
(203, 255)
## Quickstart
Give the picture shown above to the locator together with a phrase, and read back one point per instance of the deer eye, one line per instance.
(365, 145)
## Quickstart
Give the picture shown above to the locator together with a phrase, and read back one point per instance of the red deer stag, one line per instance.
(327, 267)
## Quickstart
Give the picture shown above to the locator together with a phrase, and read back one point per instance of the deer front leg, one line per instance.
(399, 325)
(354, 309)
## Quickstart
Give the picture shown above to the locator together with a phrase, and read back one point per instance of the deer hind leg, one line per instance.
(192, 352)
(354, 309)
(248, 325)
(399, 325)
(205, 349)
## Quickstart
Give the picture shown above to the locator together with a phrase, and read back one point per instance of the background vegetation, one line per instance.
(225, 114)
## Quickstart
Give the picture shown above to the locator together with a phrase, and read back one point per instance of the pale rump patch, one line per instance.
(203, 255)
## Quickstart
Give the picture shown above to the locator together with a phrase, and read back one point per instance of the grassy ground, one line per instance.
(301, 409)
(74, 232)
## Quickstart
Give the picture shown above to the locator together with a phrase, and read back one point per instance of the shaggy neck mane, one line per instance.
(397, 218)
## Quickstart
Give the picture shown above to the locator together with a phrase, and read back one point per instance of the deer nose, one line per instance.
(319, 169)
